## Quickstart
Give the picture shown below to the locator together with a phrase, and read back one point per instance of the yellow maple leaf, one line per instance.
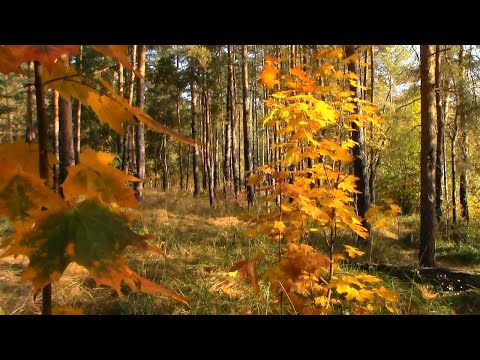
(93, 177)
(385, 293)
(353, 252)
(366, 278)
(280, 226)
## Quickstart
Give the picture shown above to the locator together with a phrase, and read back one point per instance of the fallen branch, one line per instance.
(446, 279)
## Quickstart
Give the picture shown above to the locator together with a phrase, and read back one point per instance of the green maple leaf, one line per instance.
(92, 235)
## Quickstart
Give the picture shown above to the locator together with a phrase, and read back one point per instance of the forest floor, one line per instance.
(201, 244)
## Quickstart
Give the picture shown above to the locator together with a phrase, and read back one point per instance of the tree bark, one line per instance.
(66, 148)
(203, 135)
(358, 151)
(374, 155)
(30, 133)
(43, 162)
(164, 163)
(126, 158)
(179, 127)
(208, 157)
(427, 160)
(78, 120)
(445, 109)
(56, 95)
(463, 137)
(180, 148)
(140, 130)
(440, 140)
(247, 137)
(121, 85)
(196, 178)
(232, 117)
(453, 140)
(216, 176)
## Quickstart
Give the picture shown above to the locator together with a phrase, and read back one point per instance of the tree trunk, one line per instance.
(187, 177)
(164, 163)
(374, 155)
(56, 95)
(231, 116)
(463, 137)
(208, 157)
(227, 158)
(179, 128)
(43, 162)
(127, 158)
(30, 133)
(216, 176)
(445, 109)
(196, 179)
(247, 137)
(180, 148)
(453, 139)
(440, 140)
(121, 138)
(65, 139)
(203, 141)
(78, 120)
(66, 149)
(358, 151)
(140, 129)
(427, 160)
(156, 155)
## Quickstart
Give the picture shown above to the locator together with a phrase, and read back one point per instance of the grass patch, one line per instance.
(202, 243)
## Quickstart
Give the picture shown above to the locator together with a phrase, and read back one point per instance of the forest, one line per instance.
(239, 179)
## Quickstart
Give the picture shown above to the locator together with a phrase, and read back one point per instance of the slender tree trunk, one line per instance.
(66, 148)
(216, 176)
(30, 133)
(440, 140)
(445, 109)
(358, 135)
(204, 140)
(187, 177)
(374, 155)
(164, 163)
(196, 179)
(247, 137)
(453, 139)
(156, 155)
(463, 137)
(127, 158)
(43, 162)
(233, 122)
(78, 120)
(121, 86)
(180, 148)
(179, 127)
(427, 160)
(227, 158)
(140, 129)
(65, 138)
(208, 157)
(56, 150)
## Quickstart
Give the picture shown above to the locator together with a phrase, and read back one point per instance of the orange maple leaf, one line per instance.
(269, 76)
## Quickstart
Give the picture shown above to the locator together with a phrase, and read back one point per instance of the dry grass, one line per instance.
(201, 245)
